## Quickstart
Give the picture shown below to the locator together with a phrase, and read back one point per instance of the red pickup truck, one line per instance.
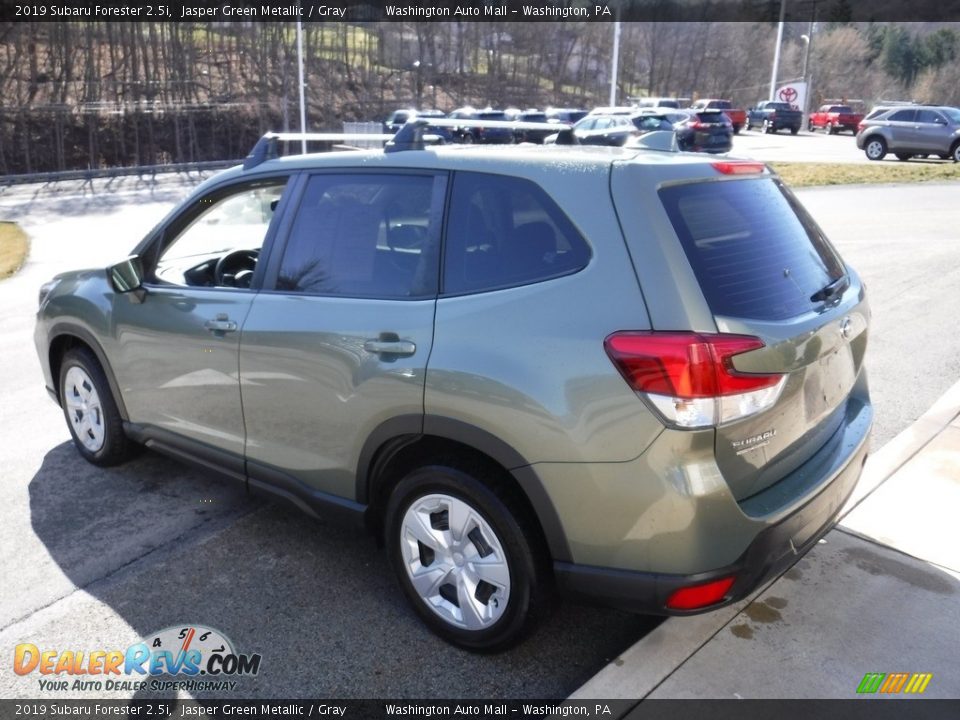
(738, 118)
(834, 118)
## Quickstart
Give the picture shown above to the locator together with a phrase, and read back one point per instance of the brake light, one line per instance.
(689, 377)
(697, 125)
(700, 596)
(739, 167)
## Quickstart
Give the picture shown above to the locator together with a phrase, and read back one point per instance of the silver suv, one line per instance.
(911, 131)
(617, 374)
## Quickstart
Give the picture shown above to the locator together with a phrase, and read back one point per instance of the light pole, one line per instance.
(303, 105)
(615, 69)
(808, 39)
(776, 51)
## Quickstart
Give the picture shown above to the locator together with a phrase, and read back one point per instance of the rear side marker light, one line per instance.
(700, 596)
(690, 378)
(739, 168)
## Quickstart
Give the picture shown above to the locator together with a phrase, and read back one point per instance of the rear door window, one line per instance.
(755, 251)
(903, 116)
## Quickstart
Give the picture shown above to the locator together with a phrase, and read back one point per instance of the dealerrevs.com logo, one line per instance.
(196, 657)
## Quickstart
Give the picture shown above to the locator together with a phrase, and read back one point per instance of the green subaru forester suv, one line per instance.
(623, 375)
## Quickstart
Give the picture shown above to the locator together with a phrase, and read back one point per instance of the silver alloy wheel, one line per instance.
(875, 149)
(455, 561)
(83, 408)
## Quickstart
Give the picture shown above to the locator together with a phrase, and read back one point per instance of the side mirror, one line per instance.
(126, 277)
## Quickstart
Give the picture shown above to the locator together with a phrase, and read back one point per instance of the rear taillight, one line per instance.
(700, 596)
(697, 125)
(860, 127)
(738, 167)
(689, 377)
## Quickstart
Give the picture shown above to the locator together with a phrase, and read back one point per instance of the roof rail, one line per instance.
(410, 136)
(267, 146)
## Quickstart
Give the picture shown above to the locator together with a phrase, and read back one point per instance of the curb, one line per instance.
(637, 671)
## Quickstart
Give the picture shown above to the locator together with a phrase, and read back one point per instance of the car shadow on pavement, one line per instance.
(163, 545)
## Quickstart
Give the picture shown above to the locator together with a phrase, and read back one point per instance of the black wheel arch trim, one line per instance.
(398, 432)
(86, 337)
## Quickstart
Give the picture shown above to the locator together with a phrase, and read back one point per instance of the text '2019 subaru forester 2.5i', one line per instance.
(623, 375)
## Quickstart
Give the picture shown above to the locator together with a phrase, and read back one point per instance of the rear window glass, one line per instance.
(754, 250)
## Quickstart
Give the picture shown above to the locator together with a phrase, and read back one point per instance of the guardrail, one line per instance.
(96, 173)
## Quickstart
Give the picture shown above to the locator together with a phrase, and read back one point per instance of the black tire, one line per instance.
(529, 597)
(955, 152)
(115, 446)
(467, 138)
(736, 129)
(831, 130)
(794, 130)
(903, 157)
(811, 127)
(944, 156)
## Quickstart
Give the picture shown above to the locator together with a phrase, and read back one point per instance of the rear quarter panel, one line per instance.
(527, 364)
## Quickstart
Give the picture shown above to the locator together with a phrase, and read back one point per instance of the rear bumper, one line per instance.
(772, 551)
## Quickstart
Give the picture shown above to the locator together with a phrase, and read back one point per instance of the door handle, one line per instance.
(390, 347)
(221, 324)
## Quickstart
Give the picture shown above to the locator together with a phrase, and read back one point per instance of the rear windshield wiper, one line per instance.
(829, 291)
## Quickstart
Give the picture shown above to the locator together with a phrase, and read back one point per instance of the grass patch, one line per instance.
(13, 248)
(811, 174)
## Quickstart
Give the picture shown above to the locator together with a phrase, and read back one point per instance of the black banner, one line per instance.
(834, 11)
(859, 709)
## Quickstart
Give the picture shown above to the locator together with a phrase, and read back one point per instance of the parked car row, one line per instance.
(703, 128)
(709, 124)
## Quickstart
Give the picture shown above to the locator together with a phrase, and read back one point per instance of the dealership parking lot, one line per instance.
(101, 558)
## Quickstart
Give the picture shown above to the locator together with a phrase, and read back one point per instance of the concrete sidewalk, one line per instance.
(880, 594)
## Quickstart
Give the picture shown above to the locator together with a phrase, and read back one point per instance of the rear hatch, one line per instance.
(712, 130)
(766, 271)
